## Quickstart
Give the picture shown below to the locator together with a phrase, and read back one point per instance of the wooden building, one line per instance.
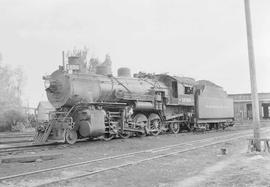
(42, 111)
(243, 106)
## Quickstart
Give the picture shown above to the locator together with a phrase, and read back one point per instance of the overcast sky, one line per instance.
(204, 39)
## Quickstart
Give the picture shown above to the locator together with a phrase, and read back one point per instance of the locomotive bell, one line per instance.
(123, 72)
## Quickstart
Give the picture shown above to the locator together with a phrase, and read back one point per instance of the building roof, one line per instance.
(246, 97)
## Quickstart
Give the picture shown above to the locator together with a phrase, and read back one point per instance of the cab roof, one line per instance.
(183, 80)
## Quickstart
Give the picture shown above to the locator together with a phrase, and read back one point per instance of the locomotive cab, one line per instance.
(180, 103)
(180, 89)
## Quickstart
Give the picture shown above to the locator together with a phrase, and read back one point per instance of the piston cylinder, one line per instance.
(94, 126)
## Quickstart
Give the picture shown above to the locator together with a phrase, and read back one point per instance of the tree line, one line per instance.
(11, 85)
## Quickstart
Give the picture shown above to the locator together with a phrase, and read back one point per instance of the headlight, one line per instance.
(47, 84)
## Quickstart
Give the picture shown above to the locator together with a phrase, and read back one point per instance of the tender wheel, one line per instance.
(154, 123)
(174, 127)
(71, 136)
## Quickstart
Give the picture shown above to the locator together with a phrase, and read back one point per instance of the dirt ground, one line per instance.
(205, 167)
(97, 149)
(240, 169)
(202, 167)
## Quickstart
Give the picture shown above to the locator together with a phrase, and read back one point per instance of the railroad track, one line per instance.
(92, 167)
(14, 149)
(24, 148)
(13, 138)
(15, 141)
(42, 147)
(29, 147)
(16, 135)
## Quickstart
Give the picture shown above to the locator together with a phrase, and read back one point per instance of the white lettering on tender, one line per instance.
(185, 100)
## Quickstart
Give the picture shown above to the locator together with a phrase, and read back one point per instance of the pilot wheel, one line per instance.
(71, 136)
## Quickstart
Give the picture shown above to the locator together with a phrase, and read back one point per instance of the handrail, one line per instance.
(120, 83)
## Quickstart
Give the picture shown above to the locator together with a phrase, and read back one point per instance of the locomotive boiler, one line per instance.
(98, 104)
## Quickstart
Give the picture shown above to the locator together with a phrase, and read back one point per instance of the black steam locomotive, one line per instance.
(95, 104)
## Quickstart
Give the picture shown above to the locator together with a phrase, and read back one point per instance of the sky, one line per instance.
(195, 38)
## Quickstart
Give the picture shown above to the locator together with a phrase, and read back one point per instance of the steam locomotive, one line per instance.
(97, 104)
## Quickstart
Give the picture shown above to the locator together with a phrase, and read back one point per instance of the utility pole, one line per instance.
(253, 81)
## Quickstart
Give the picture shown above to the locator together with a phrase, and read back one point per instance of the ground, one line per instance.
(240, 169)
(202, 167)
(206, 167)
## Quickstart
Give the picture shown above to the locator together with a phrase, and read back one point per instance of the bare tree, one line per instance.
(13, 117)
(11, 82)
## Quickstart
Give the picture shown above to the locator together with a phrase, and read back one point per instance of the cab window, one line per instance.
(174, 89)
(188, 90)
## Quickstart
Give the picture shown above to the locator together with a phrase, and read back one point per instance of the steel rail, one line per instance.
(16, 136)
(189, 143)
(26, 147)
(15, 141)
(37, 146)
